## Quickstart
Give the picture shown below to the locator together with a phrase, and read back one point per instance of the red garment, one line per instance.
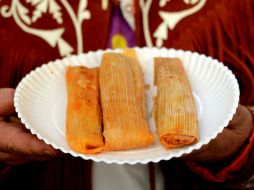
(233, 169)
(25, 46)
(222, 29)
(226, 33)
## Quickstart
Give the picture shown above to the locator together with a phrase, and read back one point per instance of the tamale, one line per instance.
(84, 116)
(125, 126)
(138, 78)
(175, 115)
(130, 52)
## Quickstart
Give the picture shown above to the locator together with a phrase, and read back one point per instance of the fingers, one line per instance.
(240, 115)
(6, 103)
(28, 144)
(8, 158)
(241, 123)
(217, 149)
(17, 145)
(228, 142)
(11, 159)
(23, 145)
(237, 117)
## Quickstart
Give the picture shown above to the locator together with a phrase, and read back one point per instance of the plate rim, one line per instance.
(189, 149)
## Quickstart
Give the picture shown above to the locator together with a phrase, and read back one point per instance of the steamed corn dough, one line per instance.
(176, 118)
(137, 78)
(84, 117)
(125, 126)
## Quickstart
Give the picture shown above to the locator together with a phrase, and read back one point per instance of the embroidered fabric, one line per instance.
(61, 36)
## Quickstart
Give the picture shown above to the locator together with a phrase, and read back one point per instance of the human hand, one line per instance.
(227, 143)
(18, 145)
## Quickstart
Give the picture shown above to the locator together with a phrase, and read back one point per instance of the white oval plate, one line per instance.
(40, 101)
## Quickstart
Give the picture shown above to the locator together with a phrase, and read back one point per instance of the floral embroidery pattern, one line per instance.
(170, 19)
(43, 6)
(54, 37)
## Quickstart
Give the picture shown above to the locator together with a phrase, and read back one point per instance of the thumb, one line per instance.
(242, 117)
(6, 101)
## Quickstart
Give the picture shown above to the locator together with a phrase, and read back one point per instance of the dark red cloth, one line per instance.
(222, 29)
(21, 51)
(233, 168)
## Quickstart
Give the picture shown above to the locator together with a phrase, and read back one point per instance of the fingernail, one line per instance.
(50, 152)
(47, 152)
